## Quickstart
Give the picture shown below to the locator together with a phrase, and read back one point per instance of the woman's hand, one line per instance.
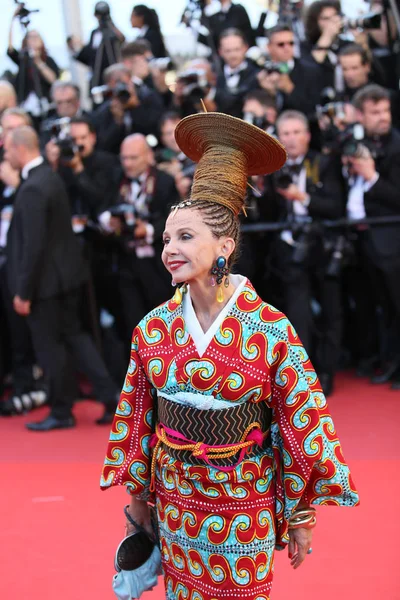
(140, 512)
(299, 544)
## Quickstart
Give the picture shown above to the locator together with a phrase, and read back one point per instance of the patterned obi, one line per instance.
(218, 437)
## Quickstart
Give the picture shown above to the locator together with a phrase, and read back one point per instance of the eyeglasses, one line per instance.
(282, 44)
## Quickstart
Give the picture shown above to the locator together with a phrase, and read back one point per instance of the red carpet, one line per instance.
(58, 531)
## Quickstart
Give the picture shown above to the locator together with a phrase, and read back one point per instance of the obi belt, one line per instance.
(219, 437)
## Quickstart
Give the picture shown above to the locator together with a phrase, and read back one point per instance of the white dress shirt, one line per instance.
(35, 162)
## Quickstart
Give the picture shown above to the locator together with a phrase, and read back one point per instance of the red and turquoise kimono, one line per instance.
(219, 528)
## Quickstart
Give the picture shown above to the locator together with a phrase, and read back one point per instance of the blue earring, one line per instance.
(218, 272)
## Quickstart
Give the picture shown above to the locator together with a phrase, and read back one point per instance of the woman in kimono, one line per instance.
(222, 421)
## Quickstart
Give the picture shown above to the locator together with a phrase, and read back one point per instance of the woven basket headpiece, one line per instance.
(228, 151)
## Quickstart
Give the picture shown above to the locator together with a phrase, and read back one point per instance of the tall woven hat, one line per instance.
(228, 151)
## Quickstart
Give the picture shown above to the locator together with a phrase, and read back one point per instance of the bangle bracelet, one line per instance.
(305, 517)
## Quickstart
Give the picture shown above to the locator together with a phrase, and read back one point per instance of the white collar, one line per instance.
(35, 162)
(226, 7)
(236, 70)
(295, 161)
(144, 29)
(200, 338)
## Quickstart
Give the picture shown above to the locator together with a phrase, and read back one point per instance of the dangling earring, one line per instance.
(178, 296)
(218, 272)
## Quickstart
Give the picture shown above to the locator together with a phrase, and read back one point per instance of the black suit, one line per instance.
(143, 282)
(89, 55)
(304, 280)
(230, 100)
(236, 17)
(307, 90)
(154, 37)
(143, 119)
(377, 277)
(92, 190)
(45, 266)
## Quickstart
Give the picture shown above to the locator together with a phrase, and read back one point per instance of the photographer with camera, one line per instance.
(137, 57)
(309, 188)
(294, 82)
(89, 174)
(37, 70)
(104, 45)
(65, 97)
(132, 108)
(238, 76)
(145, 195)
(260, 109)
(372, 166)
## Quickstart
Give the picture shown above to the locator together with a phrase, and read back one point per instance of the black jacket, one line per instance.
(29, 78)
(383, 199)
(154, 37)
(230, 101)
(236, 17)
(44, 257)
(144, 119)
(327, 191)
(94, 189)
(307, 90)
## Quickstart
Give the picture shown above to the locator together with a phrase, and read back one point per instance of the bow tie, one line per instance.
(134, 180)
(296, 168)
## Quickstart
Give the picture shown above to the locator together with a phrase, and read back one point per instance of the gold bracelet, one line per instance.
(304, 517)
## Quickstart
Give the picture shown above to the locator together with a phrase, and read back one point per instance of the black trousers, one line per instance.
(17, 341)
(62, 346)
(320, 335)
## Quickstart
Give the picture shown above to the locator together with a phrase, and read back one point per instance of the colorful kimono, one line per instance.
(218, 529)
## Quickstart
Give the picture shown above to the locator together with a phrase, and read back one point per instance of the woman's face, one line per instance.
(136, 21)
(34, 41)
(190, 248)
(327, 16)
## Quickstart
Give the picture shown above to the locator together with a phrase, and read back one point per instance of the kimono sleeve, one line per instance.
(309, 461)
(127, 459)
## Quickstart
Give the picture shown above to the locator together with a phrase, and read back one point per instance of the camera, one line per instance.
(102, 12)
(329, 104)
(371, 20)
(100, 93)
(60, 130)
(23, 14)
(275, 67)
(162, 64)
(260, 122)
(340, 252)
(195, 83)
(283, 178)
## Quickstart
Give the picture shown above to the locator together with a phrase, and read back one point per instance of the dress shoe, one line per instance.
(326, 381)
(52, 423)
(390, 371)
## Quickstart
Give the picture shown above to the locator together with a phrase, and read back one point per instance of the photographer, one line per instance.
(103, 47)
(238, 76)
(66, 100)
(137, 58)
(373, 170)
(260, 109)
(132, 109)
(309, 188)
(89, 174)
(217, 17)
(292, 81)
(194, 84)
(146, 194)
(37, 70)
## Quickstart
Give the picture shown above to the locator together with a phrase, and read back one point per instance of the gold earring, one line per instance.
(178, 296)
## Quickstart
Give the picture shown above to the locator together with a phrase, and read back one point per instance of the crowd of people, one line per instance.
(84, 194)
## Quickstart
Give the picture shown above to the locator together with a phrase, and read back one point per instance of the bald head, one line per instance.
(22, 146)
(136, 155)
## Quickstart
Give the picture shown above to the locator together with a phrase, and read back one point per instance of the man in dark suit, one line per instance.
(313, 189)
(294, 82)
(238, 75)
(374, 183)
(229, 16)
(140, 112)
(146, 193)
(45, 272)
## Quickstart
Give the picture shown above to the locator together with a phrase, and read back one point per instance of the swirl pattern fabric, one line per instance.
(218, 530)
